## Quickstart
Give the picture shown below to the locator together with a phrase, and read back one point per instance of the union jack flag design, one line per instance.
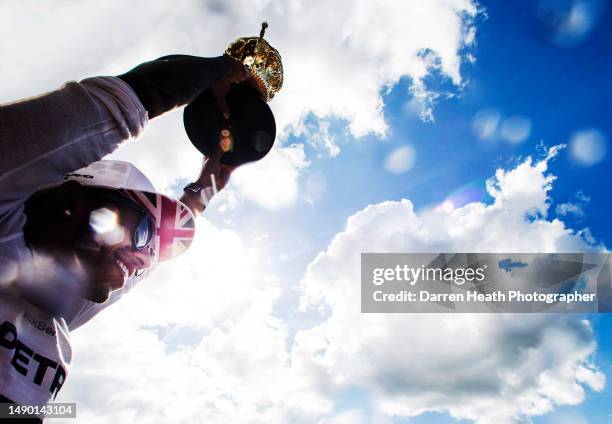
(174, 221)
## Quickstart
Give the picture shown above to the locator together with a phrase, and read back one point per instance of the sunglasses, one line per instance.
(145, 229)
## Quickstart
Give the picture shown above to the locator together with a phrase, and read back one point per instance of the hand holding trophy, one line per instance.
(234, 115)
(230, 123)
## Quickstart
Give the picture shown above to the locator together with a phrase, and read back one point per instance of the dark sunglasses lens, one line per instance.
(143, 233)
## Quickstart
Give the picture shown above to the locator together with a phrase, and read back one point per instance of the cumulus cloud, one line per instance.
(486, 368)
(273, 182)
(400, 160)
(567, 417)
(338, 58)
(341, 55)
(197, 341)
(353, 416)
(199, 338)
(202, 336)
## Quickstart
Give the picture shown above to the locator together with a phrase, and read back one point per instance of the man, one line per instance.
(77, 232)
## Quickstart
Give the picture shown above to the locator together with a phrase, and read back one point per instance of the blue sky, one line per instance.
(518, 71)
(259, 321)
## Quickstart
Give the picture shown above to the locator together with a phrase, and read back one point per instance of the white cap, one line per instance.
(174, 220)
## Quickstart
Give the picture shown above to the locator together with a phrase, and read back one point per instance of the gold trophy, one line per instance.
(262, 60)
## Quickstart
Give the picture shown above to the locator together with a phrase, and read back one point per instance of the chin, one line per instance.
(104, 277)
(99, 296)
(100, 289)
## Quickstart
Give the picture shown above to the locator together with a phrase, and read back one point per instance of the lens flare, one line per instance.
(515, 129)
(401, 160)
(468, 193)
(447, 206)
(103, 220)
(105, 224)
(485, 124)
(569, 23)
(588, 147)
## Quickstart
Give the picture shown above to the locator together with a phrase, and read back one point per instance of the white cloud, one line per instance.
(486, 368)
(273, 182)
(575, 207)
(318, 135)
(195, 342)
(314, 186)
(569, 209)
(338, 57)
(353, 416)
(400, 160)
(588, 147)
(567, 417)
(199, 340)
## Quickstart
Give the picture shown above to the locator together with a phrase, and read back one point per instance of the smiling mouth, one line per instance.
(123, 268)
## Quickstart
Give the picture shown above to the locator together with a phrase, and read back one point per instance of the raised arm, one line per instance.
(213, 177)
(45, 137)
(175, 80)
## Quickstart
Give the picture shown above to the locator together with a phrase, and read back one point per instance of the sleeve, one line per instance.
(44, 137)
(176, 80)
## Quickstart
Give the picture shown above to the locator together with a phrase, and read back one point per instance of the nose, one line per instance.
(144, 257)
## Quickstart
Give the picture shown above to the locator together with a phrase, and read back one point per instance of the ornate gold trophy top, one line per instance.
(262, 60)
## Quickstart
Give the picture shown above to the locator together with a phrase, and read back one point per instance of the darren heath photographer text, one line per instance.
(458, 276)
